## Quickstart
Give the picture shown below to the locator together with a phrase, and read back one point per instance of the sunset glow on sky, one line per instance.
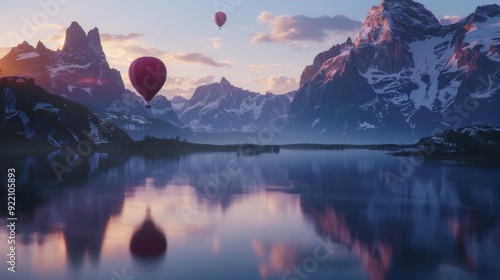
(264, 45)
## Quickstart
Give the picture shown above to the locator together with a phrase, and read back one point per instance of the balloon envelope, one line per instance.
(220, 19)
(147, 75)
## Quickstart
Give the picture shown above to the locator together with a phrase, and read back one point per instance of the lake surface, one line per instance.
(293, 215)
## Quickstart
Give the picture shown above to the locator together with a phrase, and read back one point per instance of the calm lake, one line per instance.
(293, 215)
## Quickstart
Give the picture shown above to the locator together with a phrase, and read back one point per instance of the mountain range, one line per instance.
(223, 108)
(81, 73)
(404, 76)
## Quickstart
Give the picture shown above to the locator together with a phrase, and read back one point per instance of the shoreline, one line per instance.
(168, 146)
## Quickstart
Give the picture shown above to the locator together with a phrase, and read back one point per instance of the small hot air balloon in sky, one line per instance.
(147, 75)
(220, 19)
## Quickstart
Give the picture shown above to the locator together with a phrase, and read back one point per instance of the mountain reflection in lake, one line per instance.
(257, 217)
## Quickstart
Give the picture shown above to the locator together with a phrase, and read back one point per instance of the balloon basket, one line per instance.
(147, 106)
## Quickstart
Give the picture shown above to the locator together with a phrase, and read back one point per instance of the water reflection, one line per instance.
(425, 227)
(263, 221)
(274, 259)
(148, 241)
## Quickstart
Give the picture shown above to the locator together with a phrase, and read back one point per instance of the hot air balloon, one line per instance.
(220, 19)
(148, 241)
(147, 75)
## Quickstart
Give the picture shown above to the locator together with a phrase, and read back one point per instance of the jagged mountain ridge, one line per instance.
(401, 77)
(471, 136)
(138, 127)
(81, 73)
(178, 103)
(31, 115)
(223, 108)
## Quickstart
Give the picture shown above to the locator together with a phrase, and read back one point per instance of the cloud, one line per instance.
(265, 16)
(257, 68)
(176, 81)
(107, 37)
(447, 20)
(260, 81)
(203, 81)
(17, 37)
(298, 46)
(184, 92)
(216, 42)
(195, 58)
(4, 51)
(121, 49)
(184, 86)
(291, 29)
(216, 45)
(57, 40)
(48, 26)
(277, 84)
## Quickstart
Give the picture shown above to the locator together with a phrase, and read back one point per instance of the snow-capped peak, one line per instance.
(483, 12)
(405, 19)
(404, 75)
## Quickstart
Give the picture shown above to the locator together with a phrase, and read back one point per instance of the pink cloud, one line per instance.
(292, 29)
(446, 20)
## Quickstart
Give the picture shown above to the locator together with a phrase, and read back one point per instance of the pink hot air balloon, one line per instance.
(147, 75)
(220, 19)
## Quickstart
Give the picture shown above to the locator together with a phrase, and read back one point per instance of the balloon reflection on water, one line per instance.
(148, 241)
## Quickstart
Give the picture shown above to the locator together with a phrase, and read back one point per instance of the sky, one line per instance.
(264, 45)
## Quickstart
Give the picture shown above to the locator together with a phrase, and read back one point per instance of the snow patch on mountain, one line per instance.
(55, 71)
(133, 127)
(46, 106)
(29, 55)
(485, 34)
(315, 122)
(195, 125)
(96, 135)
(139, 119)
(430, 60)
(365, 126)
